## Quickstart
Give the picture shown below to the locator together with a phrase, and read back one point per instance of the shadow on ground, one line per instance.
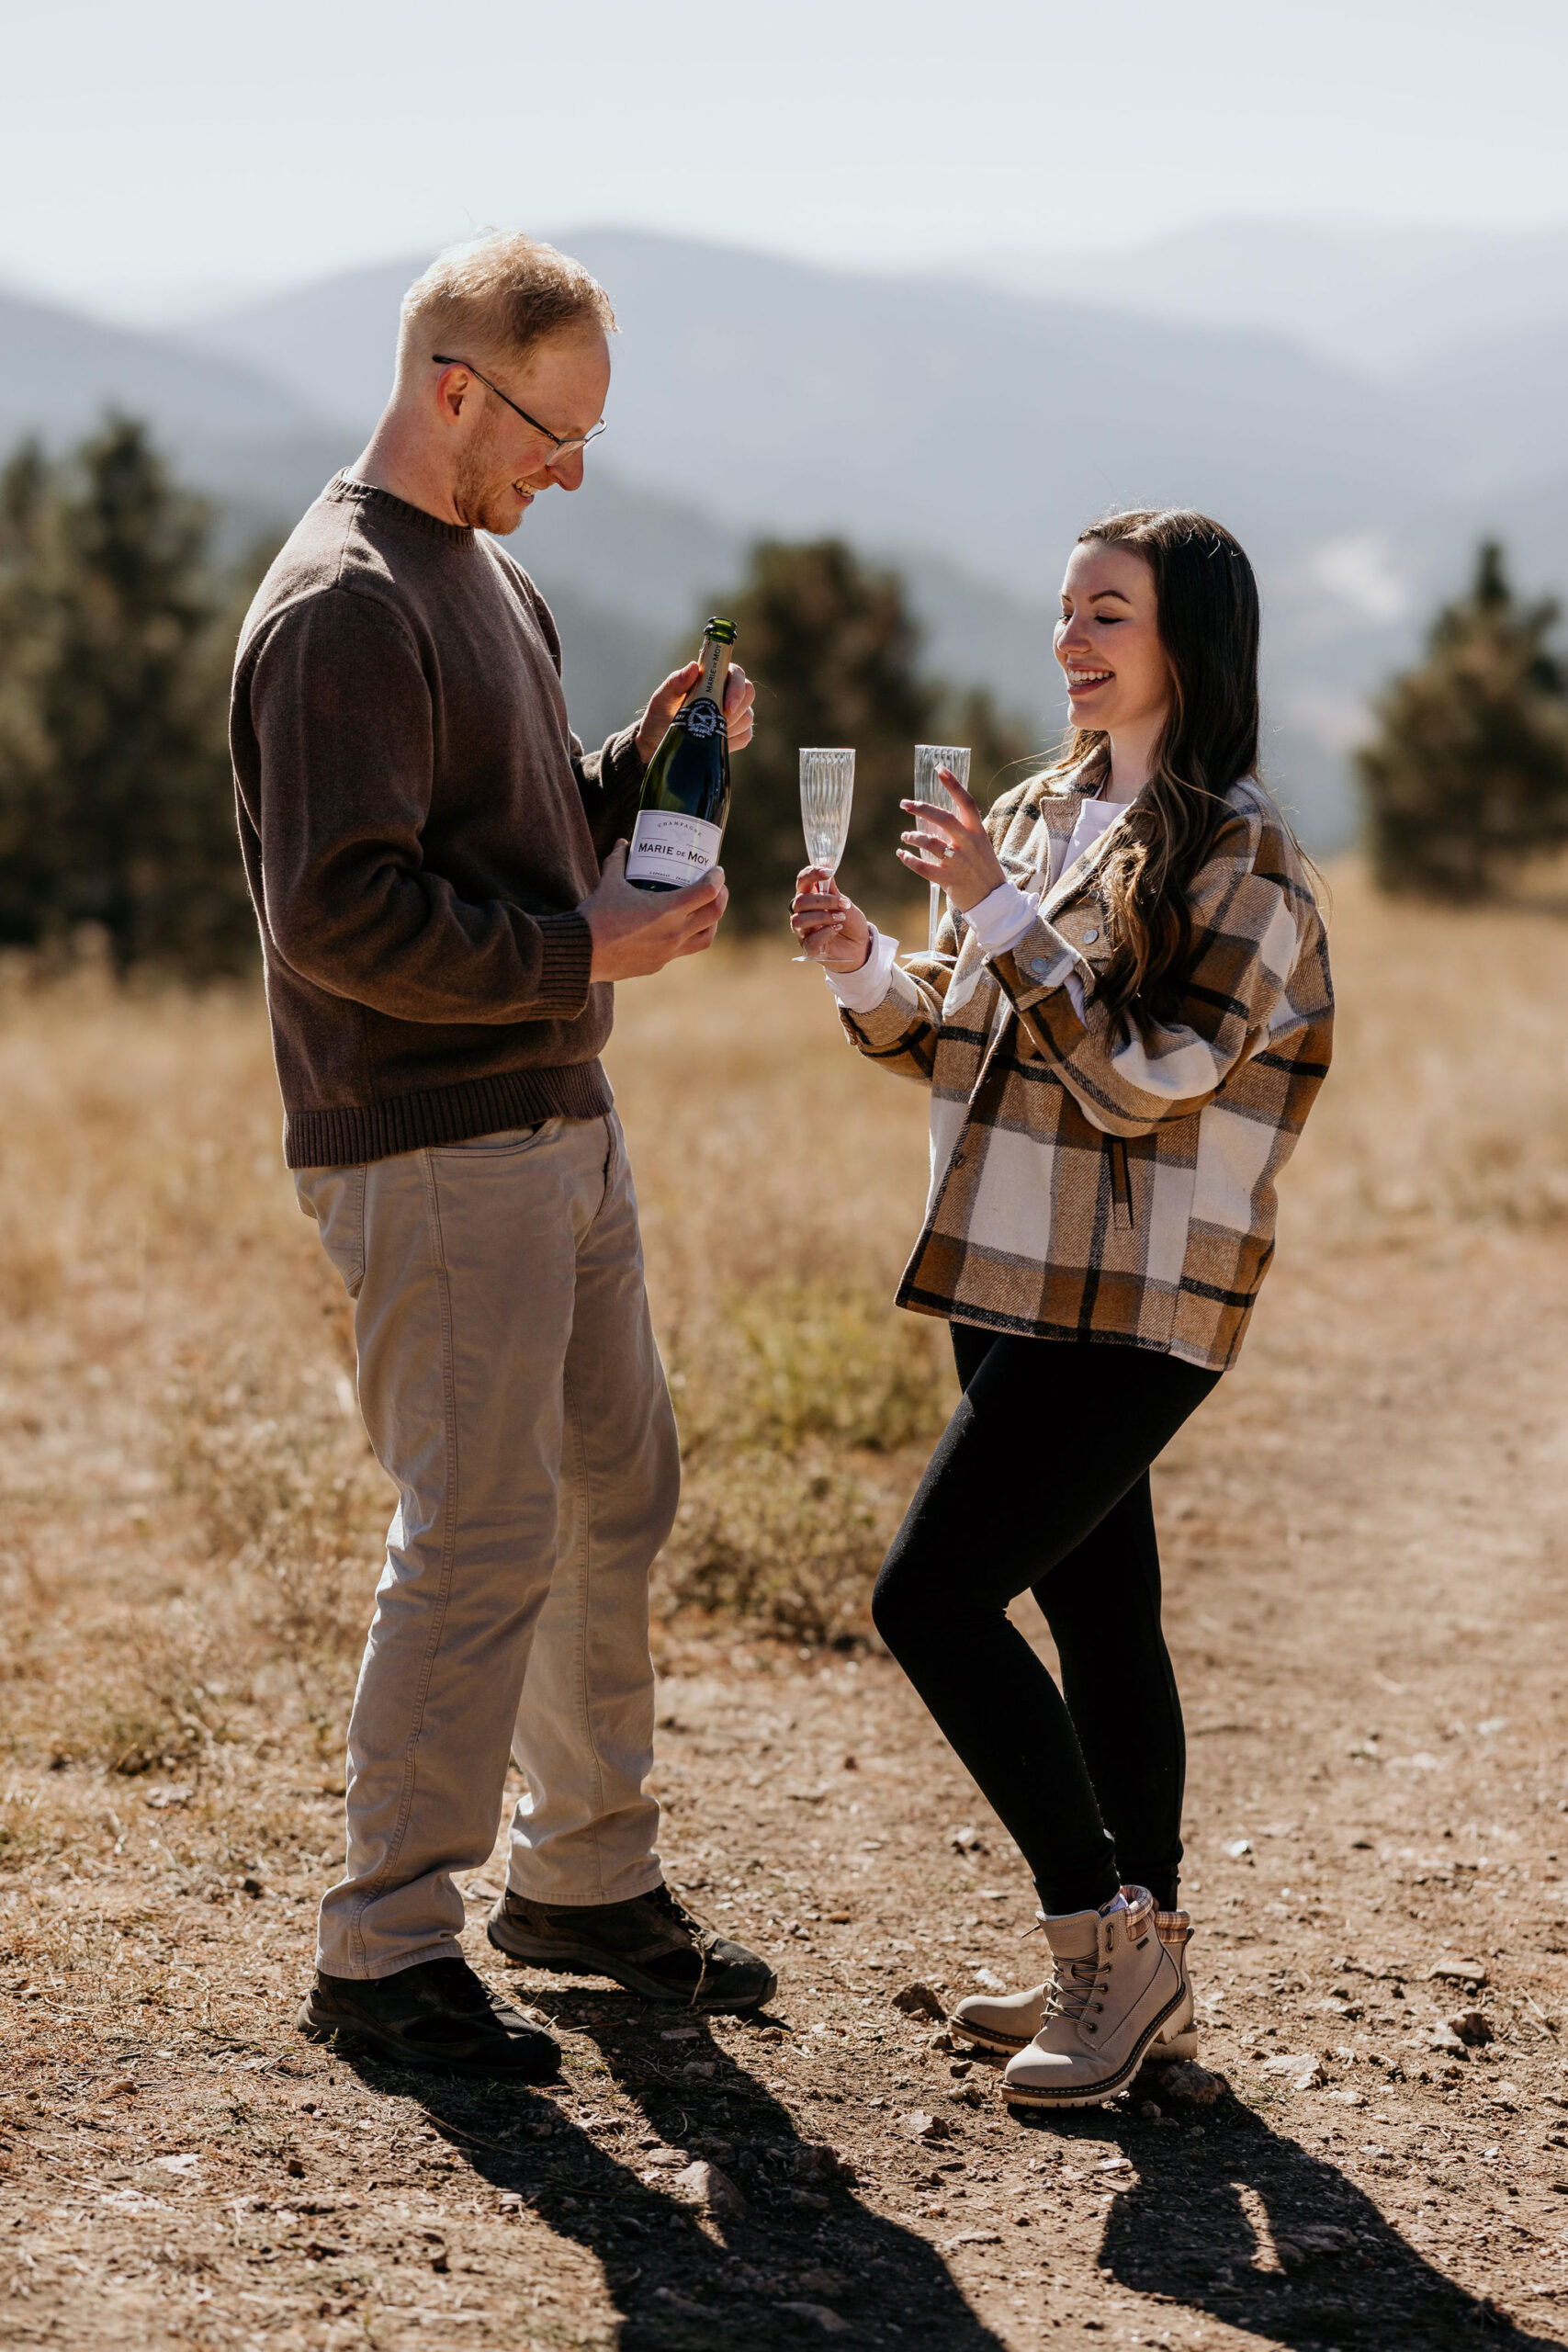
(1239, 2221)
(683, 2278)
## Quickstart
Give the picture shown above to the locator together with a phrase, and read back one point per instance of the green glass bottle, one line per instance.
(685, 794)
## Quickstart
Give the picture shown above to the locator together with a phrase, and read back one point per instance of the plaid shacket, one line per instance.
(1095, 1180)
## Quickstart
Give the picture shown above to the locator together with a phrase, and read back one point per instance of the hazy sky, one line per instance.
(153, 151)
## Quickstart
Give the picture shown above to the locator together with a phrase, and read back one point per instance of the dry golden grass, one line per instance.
(194, 1518)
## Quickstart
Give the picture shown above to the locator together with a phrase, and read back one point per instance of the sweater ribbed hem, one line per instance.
(478, 1106)
(562, 992)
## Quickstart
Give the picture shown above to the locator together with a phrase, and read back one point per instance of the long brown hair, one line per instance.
(1207, 613)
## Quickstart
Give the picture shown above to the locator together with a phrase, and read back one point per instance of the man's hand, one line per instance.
(638, 931)
(739, 694)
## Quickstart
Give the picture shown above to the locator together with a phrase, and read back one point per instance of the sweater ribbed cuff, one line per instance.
(565, 967)
(621, 768)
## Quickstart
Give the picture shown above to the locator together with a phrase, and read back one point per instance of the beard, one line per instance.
(483, 492)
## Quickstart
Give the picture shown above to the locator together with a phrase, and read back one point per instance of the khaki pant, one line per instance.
(510, 1387)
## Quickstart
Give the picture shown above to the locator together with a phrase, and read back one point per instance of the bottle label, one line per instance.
(700, 718)
(668, 847)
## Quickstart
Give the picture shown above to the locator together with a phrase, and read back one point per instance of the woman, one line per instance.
(1122, 1028)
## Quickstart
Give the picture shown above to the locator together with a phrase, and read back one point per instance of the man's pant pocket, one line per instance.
(336, 1198)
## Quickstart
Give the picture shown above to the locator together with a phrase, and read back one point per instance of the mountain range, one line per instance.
(965, 427)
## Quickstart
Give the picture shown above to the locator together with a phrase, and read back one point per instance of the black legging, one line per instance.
(1041, 1479)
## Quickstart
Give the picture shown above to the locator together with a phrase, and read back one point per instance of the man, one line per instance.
(438, 873)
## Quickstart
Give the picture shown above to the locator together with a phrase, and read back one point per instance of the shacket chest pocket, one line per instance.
(1082, 922)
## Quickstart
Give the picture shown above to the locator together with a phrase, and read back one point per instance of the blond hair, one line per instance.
(493, 299)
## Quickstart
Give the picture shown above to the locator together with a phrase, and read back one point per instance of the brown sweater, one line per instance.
(419, 826)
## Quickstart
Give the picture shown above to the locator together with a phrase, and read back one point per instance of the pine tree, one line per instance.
(115, 794)
(834, 652)
(1468, 776)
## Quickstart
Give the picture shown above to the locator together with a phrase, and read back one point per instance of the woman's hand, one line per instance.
(829, 927)
(951, 847)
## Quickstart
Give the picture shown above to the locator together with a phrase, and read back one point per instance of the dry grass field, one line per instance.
(1365, 1539)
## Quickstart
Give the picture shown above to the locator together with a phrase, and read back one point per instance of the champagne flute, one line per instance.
(929, 758)
(827, 795)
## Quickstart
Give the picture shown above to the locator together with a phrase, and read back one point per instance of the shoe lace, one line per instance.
(1072, 1985)
(702, 1939)
(459, 1985)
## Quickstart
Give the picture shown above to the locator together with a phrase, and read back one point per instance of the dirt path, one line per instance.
(1365, 1538)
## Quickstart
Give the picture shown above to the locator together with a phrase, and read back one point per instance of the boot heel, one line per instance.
(1178, 2045)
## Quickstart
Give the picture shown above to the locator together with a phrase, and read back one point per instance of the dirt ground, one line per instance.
(1365, 1543)
(1366, 1550)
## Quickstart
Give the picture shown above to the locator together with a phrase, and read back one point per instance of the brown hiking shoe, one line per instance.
(437, 2014)
(653, 1945)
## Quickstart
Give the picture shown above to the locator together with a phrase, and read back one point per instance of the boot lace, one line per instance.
(1074, 1985)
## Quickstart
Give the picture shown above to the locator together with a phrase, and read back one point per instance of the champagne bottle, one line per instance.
(685, 794)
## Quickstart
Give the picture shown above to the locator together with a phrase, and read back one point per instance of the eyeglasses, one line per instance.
(560, 447)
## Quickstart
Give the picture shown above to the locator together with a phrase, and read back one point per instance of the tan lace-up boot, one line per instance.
(1009, 2021)
(1114, 1986)
(1178, 2037)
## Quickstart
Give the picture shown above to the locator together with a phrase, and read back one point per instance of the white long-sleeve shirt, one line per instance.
(997, 922)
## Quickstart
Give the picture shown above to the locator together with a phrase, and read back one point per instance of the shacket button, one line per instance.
(1090, 937)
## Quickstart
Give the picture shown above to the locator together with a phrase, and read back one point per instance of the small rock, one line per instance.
(919, 2125)
(1239, 1849)
(252, 1885)
(1472, 2028)
(678, 2303)
(294, 2167)
(1466, 1973)
(1350, 2098)
(820, 2282)
(1443, 2037)
(680, 2033)
(977, 2237)
(668, 2159)
(1322, 2238)
(185, 2165)
(967, 1840)
(1190, 2085)
(941, 2040)
(706, 2185)
(820, 2316)
(1293, 2063)
(988, 1981)
(813, 2162)
(920, 2001)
